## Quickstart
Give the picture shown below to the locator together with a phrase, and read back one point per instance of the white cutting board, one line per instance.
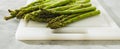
(100, 27)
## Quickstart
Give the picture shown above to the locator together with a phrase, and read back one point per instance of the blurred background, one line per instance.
(7, 30)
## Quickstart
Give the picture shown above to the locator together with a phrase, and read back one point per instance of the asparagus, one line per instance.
(68, 17)
(37, 2)
(58, 4)
(34, 16)
(12, 13)
(57, 18)
(28, 16)
(34, 8)
(47, 14)
(38, 14)
(80, 1)
(37, 7)
(84, 1)
(60, 24)
(28, 8)
(83, 16)
(71, 7)
(41, 19)
(80, 6)
(15, 12)
(73, 11)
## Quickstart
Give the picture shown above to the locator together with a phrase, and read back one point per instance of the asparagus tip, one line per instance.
(9, 10)
(6, 18)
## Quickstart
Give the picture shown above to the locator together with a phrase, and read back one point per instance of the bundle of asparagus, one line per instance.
(56, 13)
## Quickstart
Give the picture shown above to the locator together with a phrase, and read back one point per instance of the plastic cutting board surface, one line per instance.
(100, 27)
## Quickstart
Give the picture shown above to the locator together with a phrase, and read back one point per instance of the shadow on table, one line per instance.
(72, 42)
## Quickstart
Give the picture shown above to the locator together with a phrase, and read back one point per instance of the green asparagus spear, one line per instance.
(74, 3)
(28, 16)
(68, 17)
(57, 18)
(71, 7)
(83, 16)
(15, 12)
(63, 2)
(37, 7)
(60, 24)
(84, 1)
(79, 1)
(67, 12)
(62, 8)
(38, 13)
(30, 9)
(80, 6)
(37, 2)
(34, 16)
(46, 20)
(12, 13)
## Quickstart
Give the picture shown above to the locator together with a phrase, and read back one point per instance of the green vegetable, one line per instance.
(13, 13)
(68, 17)
(34, 16)
(31, 9)
(57, 13)
(73, 11)
(57, 18)
(35, 6)
(63, 2)
(46, 20)
(71, 7)
(37, 2)
(80, 6)
(79, 1)
(75, 18)
(82, 16)
(38, 14)
(38, 11)
(84, 1)
(28, 16)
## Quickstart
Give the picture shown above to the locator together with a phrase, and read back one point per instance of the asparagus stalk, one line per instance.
(41, 19)
(71, 7)
(63, 2)
(37, 7)
(60, 24)
(79, 1)
(84, 1)
(56, 19)
(12, 13)
(37, 2)
(80, 6)
(34, 16)
(67, 12)
(28, 16)
(15, 12)
(47, 14)
(39, 14)
(34, 7)
(31, 9)
(68, 17)
(82, 16)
